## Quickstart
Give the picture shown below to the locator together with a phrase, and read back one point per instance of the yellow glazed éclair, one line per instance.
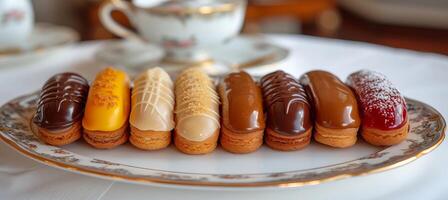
(107, 109)
(197, 113)
(152, 108)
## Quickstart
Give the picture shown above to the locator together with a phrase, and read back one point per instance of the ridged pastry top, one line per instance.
(286, 103)
(152, 101)
(242, 107)
(108, 103)
(334, 102)
(197, 105)
(382, 105)
(62, 101)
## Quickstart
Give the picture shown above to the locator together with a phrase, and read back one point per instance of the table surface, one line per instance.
(421, 76)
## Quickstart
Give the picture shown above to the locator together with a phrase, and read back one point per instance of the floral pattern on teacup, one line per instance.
(12, 16)
(177, 43)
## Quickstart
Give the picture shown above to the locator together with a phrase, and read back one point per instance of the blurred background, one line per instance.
(412, 24)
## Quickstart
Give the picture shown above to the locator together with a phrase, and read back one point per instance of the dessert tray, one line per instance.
(264, 168)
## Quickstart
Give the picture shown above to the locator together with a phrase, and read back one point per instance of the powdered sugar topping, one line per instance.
(378, 97)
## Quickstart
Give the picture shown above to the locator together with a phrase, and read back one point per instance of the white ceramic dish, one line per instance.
(44, 40)
(430, 13)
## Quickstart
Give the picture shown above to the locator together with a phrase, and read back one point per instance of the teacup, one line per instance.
(184, 28)
(16, 23)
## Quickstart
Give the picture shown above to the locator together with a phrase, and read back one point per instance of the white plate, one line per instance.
(43, 41)
(264, 168)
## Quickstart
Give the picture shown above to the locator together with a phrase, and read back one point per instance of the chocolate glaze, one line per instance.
(62, 101)
(286, 103)
(242, 103)
(334, 103)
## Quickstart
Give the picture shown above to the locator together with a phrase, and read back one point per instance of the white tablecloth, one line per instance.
(421, 76)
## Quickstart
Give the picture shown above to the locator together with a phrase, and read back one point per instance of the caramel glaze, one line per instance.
(286, 103)
(334, 104)
(242, 105)
(61, 102)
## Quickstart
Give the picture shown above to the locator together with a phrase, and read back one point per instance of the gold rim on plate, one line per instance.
(437, 140)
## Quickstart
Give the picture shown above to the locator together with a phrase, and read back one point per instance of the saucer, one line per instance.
(243, 52)
(44, 40)
(130, 54)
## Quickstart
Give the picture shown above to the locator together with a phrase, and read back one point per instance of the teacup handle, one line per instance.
(107, 20)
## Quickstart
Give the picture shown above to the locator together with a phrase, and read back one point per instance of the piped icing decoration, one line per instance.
(197, 105)
(335, 104)
(62, 101)
(286, 104)
(382, 105)
(108, 103)
(153, 101)
(242, 107)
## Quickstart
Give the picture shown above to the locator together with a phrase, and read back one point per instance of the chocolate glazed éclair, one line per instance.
(62, 101)
(242, 113)
(335, 107)
(289, 122)
(61, 108)
(286, 104)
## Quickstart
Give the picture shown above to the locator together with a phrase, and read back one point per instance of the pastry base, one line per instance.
(281, 142)
(385, 138)
(60, 137)
(339, 138)
(149, 140)
(241, 143)
(106, 139)
(196, 148)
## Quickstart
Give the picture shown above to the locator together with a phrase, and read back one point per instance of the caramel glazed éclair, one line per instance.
(335, 107)
(242, 119)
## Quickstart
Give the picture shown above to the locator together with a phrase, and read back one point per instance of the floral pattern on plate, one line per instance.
(427, 128)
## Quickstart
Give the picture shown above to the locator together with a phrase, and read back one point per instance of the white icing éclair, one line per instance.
(152, 101)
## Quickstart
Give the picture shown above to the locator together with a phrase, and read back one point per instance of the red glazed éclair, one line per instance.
(383, 108)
